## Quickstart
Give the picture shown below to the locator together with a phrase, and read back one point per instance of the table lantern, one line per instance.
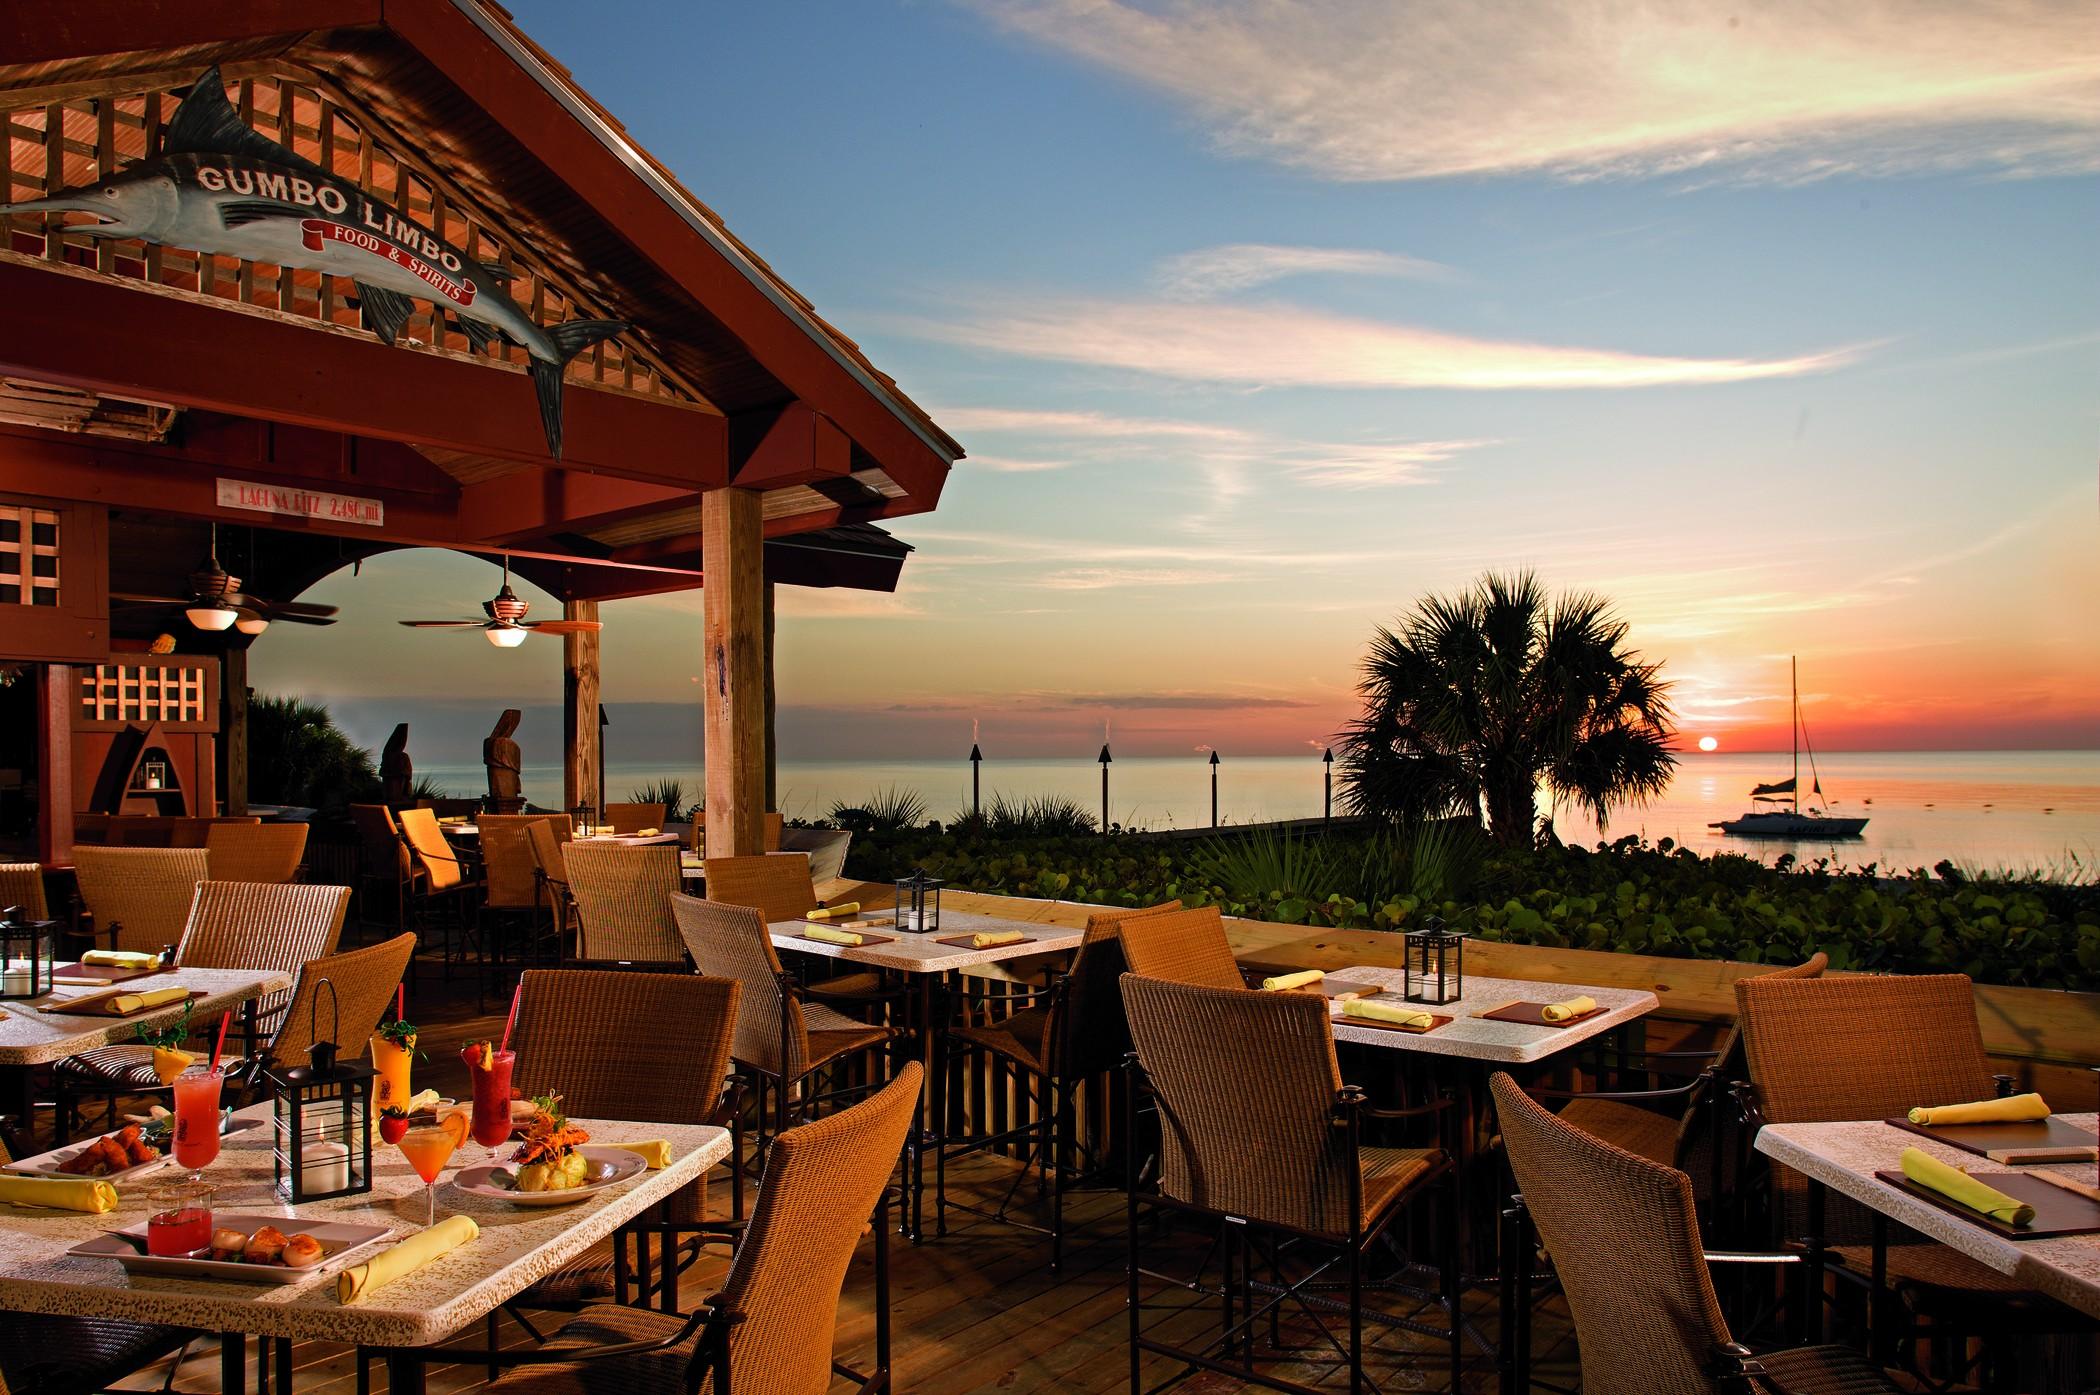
(581, 819)
(323, 1113)
(27, 949)
(919, 902)
(1434, 964)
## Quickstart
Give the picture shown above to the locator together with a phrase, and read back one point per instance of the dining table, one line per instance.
(925, 959)
(516, 1246)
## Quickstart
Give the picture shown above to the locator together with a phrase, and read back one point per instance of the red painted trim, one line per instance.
(798, 446)
(42, 33)
(535, 503)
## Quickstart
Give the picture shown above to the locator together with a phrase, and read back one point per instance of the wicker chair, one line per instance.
(22, 884)
(778, 887)
(550, 871)
(1624, 1237)
(385, 867)
(1182, 947)
(623, 903)
(444, 899)
(769, 1329)
(1259, 1133)
(255, 852)
(781, 1040)
(1871, 1047)
(633, 818)
(231, 925)
(1077, 1033)
(139, 898)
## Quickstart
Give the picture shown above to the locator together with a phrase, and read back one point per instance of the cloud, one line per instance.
(1240, 266)
(1104, 578)
(1014, 464)
(1789, 90)
(1372, 465)
(1281, 345)
(1177, 702)
(1079, 424)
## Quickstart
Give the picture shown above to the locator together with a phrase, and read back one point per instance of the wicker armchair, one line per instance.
(386, 870)
(255, 852)
(1624, 1237)
(550, 871)
(1182, 947)
(22, 884)
(633, 818)
(1259, 1133)
(138, 898)
(781, 1040)
(778, 887)
(1871, 1047)
(1077, 1032)
(231, 925)
(623, 903)
(769, 1329)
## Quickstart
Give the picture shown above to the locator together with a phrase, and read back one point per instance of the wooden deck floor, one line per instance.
(977, 1310)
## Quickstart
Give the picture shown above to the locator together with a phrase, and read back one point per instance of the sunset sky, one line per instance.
(1259, 320)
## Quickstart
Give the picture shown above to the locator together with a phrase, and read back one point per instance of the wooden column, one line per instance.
(772, 742)
(233, 729)
(583, 744)
(54, 775)
(733, 699)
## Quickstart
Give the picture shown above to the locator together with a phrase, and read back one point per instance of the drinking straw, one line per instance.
(512, 1020)
(400, 999)
(219, 1047)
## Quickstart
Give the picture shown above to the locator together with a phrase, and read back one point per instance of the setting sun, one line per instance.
(1708, 743)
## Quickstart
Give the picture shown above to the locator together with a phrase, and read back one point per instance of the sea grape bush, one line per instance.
(1629, 896)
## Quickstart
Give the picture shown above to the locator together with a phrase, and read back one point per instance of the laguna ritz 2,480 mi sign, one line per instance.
(219, 186)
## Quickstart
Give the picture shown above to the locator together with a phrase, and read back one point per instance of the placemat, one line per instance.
(865, 938)
(963, 941)
(103, 1004)
(2056, 1211)
(1533, 1015)
(1436, 1020)
(1326, 987)
(102, 973)
(2053, 1138)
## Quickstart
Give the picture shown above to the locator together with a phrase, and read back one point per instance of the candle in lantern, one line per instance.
(325, 1167)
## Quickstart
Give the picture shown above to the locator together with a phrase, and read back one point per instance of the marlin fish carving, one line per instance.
(220, 186)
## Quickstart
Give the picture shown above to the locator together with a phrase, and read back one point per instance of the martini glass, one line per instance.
(428, 1147)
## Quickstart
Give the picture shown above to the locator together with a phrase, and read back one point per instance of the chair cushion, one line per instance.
(860, 985)
(604, 1324)
(833, 1034)
(1018, 1038)
(1824, 1371)
(1637, 1130)
(42, 1355)
(126, 1069)
(1390, 1174)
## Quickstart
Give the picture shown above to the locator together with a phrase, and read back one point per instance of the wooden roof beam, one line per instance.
(536, 503)
(93, 28)
(795, 445)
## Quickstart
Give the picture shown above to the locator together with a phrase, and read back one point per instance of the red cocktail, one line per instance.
(181, 1219)
(197, 1117)
(489, 1070)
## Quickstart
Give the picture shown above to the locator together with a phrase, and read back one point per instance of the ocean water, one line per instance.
(1993, 809)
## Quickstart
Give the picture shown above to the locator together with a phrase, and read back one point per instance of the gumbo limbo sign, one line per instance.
(220, 186)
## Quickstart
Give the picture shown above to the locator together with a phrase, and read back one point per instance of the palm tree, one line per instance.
(1480, 697)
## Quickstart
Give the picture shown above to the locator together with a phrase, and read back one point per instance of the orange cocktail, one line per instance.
(390, 1059)
(428, 1147)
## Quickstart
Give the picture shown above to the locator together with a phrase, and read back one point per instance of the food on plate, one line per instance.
(266, 1246)
(302, 1252)
(547, 1159)
(126, 1148)
(227, 1244)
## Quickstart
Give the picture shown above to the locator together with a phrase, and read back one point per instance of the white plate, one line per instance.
(340, 1242)
(609, 1168)
(46, 1164)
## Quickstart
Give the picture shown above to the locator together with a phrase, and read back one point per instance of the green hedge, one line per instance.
(1627, 896)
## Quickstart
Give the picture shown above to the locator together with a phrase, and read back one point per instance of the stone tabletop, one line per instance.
(1845, 1157)
(39, 1030)
(1501, 1043)
(517, 1245)
(924, 954)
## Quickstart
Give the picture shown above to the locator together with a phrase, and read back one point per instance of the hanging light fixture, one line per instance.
(209, 586)
(251, 625)
(506, 636)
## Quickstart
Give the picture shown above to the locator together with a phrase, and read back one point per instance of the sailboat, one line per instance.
(1772, 821)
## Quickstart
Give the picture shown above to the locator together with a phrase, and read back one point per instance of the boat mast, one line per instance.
(1794, 682)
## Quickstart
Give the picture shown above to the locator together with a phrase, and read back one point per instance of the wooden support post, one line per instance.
(772, 744)
(233, 729)
(583, 742)
(55, 698)
(733, 700)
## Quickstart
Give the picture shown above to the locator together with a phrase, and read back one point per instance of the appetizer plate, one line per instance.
(340, 1242)
(47, 1164)
(609, 1167)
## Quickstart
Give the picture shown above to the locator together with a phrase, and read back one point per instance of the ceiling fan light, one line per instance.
(251, 625)
(211, 617)
(506, 636)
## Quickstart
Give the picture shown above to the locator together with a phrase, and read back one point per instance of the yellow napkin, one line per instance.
(1570, 1007)
(829, 936)
(647, 832)
(2011, 1109)
(1394, 1013)
(169, 1063)
(655, 1152)
(89, 1194)
(1977, 1195)
(119, 959)
(124, 1004)
(992, 939)
(843, 908)
(1298, 980)
(408, 1256)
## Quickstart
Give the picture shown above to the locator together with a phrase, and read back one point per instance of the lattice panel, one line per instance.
(28, 556)
(68, 143)
(143, 693)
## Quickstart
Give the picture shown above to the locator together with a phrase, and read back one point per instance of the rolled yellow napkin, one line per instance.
(829, 936)
(655, 1151)
(1956, 1185)
(647, 832)
(1567, 1008)
(89, 1194)
(119, 959)
(2010, 1110)
(1398, 1014)
(124, 1004)
(992, 939)
(410, 1255)
(1281, 982)
(843, 908)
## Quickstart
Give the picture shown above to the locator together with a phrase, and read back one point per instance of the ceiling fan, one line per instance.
(216, 601)
(507, 626)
